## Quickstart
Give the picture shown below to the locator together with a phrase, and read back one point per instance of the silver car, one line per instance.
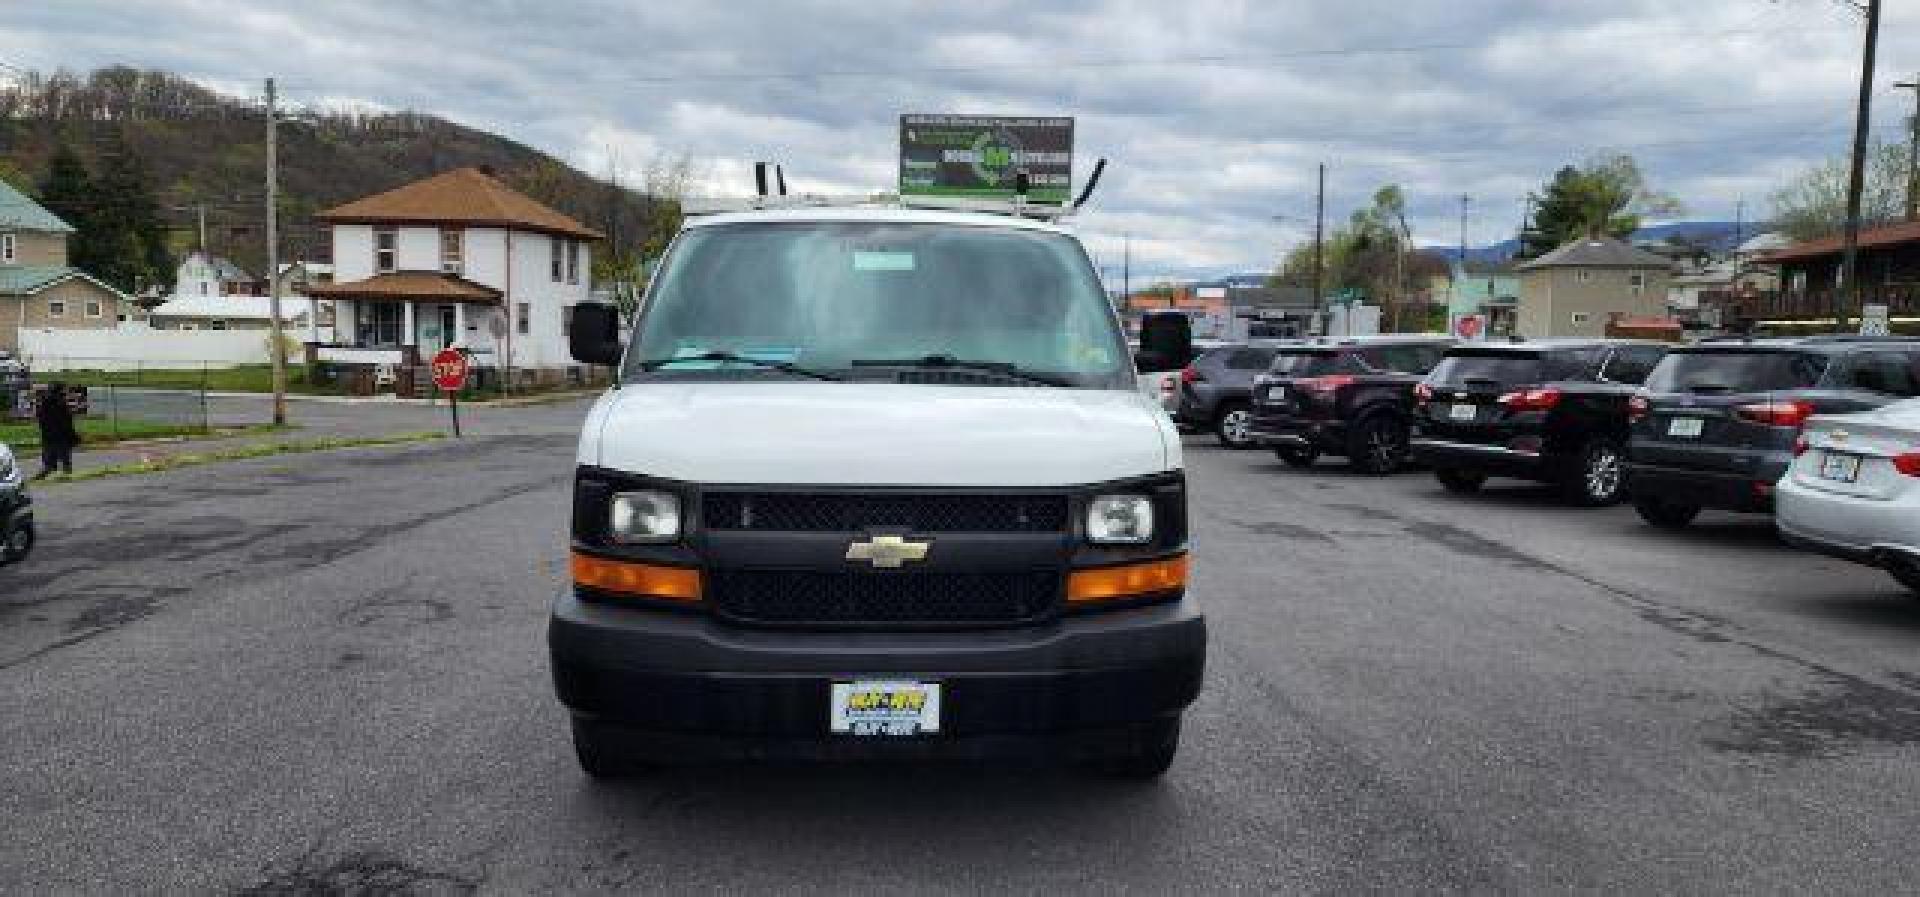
(1853, 490)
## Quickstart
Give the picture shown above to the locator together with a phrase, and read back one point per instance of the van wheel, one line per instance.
(1906, 572)
(1151, 757)
(1378, 445)
(1462, 482)
(1600, 476)
(1297, 456)
(1665, 514)
(602, 751)
(1234, 426)
(18, 544)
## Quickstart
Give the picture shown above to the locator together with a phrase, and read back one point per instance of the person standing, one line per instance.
(57, 433)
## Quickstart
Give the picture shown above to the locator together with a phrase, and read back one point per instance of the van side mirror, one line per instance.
(595, 338)
(1166, 343)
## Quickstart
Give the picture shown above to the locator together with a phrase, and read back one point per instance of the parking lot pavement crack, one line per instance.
(360, 872)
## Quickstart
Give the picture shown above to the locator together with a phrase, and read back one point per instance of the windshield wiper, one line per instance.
(1004, 368)
(735, 358)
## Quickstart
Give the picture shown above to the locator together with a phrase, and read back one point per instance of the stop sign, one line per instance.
(449, 369)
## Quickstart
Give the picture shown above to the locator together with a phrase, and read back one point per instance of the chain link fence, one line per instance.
(115, 399)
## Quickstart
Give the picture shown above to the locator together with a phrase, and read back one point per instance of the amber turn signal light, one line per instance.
(1127, 581)
(643, 580)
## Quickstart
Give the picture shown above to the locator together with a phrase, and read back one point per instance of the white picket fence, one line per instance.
(138, 346)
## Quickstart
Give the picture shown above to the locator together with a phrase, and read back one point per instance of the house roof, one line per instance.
(25, 280)
(17, 212)
(408, 286)
(462, 196)
(255, 308)
(1599, 251)
(1893, 234)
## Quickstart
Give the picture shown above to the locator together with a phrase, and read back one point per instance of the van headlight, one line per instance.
(1120, 520)
(650, 516)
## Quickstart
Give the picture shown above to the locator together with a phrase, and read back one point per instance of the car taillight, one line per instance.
(1325, 385)
(1531, 399)
(1776, 414)
(1637, 407)
(1800, 445)
(1907, 463)
(1422, 393)
(1188, 374)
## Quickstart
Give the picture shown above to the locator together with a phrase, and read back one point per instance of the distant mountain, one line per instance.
(1713, 236)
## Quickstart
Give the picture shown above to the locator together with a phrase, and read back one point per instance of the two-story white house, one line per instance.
(458, 259)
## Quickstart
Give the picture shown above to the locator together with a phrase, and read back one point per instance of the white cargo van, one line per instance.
(876, 483)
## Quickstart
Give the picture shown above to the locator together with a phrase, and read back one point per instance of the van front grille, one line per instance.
(922, 513)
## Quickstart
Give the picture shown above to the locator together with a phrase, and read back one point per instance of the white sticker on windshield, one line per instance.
(883, 261)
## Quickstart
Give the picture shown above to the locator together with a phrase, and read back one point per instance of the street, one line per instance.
(327, 671)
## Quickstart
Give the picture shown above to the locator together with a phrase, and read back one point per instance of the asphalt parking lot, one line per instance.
(327, 671)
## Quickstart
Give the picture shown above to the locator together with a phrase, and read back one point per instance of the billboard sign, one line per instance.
(977, 156)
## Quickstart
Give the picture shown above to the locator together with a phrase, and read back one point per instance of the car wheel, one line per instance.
(1600, 477)
(1297, 455)
(1378, 445)
(602, 751)
(1149, 759)
(1234, 426)
(18, 544)
(1906, 572)
(1463, 482)
(1665, 514)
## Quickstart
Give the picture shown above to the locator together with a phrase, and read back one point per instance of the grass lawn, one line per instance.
(240, 453)
(24, 436)
(244, 378)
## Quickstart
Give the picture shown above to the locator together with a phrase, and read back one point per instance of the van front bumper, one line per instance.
(685, 682)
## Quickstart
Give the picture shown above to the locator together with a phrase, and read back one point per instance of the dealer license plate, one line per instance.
(1464, 412)
(1276, 394)
(1688, 427)
(1840, 468)
(885, 707)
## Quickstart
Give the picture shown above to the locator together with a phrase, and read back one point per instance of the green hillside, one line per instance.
(200, 147)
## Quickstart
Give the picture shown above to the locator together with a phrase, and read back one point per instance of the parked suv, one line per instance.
(1716, 425)
(1214, 391)
(1351, 397)
(1555, 411)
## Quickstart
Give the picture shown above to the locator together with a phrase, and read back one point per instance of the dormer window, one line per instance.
(8, 250)
(386, 250)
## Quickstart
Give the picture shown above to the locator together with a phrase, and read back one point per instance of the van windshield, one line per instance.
(865, 300)
(1720, 371)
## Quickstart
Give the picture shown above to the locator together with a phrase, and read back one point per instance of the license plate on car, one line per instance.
(885, 707)
(1840, 468)
(1687, 427)
(1464, 412)
(1276, 394)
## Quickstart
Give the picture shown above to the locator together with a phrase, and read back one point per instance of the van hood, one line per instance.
(879, 434)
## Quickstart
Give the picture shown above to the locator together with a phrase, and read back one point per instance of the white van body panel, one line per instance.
(877, 434)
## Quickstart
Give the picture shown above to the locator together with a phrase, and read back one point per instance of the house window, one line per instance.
(378, 324)
(217, 324)
(573, 261)
(7, 250)
(554, 244)
(525, 315)
(1581, 317)
(451, 254)
(94, 310)
(386, 250)
(1583, 276)
(203, 288)
(56, 308)
(566, 320)
(1637, 282)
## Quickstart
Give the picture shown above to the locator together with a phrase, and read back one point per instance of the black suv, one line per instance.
(1716, 425)
(1214, 391)
(1555, 411)
(1351, 397)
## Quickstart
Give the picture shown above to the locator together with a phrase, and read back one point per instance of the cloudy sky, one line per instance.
(1213, 112)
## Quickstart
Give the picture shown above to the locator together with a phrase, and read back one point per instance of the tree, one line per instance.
(1814, 203)
(1607, 194)
(1367, 255)
(127, 221)
(69, 192)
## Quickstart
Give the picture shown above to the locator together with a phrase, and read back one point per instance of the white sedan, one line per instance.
(1854, 489)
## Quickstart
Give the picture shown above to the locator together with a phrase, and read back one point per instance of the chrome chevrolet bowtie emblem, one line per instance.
(888, 551)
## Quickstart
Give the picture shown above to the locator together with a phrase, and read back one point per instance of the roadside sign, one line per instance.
(449, 368)
(1875, 320)
(977, 156)
(1467, 326)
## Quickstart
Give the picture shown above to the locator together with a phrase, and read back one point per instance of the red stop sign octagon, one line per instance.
(449, 369)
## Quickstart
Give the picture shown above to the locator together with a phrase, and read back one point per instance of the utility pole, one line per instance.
(1913, 149)
(1739, 222)
(1126, 268)
(1464, 201)
(1849, 292)
(200, 211)
(1319, 247)
(278, 351)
